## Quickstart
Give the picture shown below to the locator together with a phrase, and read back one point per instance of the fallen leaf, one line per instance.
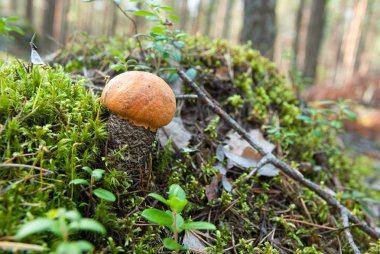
(212, 190)
(192, 242)
(175, 129)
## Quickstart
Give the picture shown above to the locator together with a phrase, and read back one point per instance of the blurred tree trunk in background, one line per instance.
(14, 7)
(350, 43)
(115, 12)
(29, 11)
(365, 55)
(259, 25)
(199, 19)
(314, 37)
(298, 27)
(48, 22)
(140, 21)
(184, 15)
(227, 19)
(210, 17)
(63, 22)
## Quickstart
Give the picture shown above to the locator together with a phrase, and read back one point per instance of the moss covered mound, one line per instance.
(53, 123)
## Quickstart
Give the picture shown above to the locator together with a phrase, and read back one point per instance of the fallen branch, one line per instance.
(270, 158)
(350, 239)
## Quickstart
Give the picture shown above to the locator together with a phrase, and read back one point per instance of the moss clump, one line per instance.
(49, 122)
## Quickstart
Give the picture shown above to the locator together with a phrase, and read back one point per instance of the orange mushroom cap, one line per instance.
(141, 98)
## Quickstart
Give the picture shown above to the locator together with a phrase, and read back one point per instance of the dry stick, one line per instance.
(347, 231)
(277, 162)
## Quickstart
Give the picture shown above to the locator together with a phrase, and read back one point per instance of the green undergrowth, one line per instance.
(49, 121)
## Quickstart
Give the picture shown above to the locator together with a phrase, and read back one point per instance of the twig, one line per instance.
(350, 239)
(311, 224)
(277, 162)
(13, 165)
(134, 27)
(26, 178)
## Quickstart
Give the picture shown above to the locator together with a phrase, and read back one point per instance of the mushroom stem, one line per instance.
(138, 139)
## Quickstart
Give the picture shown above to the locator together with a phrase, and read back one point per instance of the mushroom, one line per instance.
(140, 103)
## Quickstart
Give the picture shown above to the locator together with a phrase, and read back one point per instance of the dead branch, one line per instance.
(269, 157)
(350, 239)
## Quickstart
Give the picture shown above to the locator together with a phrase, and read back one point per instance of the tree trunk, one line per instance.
(210, 17)
(350, 43)
(184, 15)
(314, 37)
(115, 13)
(259, 25)
(14, 7)
(64, 24)
(48, 22)
(29, 11)
(227, 19)
(369, 38)
(199, 19)
(298, 27)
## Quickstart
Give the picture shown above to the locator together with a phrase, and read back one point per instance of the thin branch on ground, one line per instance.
(14, 165)
(277, 162)
(24, 179)
(350, 239)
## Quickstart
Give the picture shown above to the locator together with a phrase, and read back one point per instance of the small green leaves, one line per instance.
(105, 195)
(158, 197)
(172, 244)
(198, 225)
(176, 191)
(79, 181)
(173, 219)
(144, 13)
(191, 73)
(62, 223)
(88, 225)
(36, 226)
(97, 174)
(177, 204)
(87, 169)
(157, 216)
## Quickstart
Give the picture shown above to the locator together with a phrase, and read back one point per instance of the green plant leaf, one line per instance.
(179, 44)
(97, 174)
(87, 169)
(177, 204)
(171, 244)
(176, 191)
(198, 225)
(68, 248)
(79, 181)
(72, 215)
(166, 8)
(84, 245)
(144, 13)
(36, 226)
(174, 18)
(191, 73)
(158, 197)
(157, 216)
(104, 194)
(87, 224)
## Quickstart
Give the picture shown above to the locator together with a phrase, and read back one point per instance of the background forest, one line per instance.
(319, 38)
(276, 151)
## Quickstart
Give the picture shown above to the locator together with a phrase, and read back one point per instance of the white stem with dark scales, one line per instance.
(139, 142)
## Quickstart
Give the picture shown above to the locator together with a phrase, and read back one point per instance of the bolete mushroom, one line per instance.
(140, 103)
